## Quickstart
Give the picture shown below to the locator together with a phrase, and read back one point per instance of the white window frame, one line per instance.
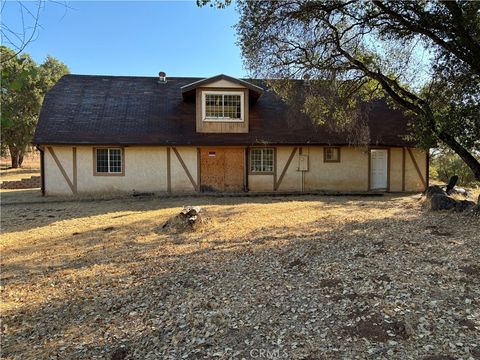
(261, 172)
(222, 119)
(108, 161)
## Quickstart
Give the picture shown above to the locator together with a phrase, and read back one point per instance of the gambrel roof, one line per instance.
(122, 110)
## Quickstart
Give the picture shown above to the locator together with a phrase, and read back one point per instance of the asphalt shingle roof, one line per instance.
(84, 109)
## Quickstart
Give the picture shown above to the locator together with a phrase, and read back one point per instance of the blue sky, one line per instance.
(135, 38)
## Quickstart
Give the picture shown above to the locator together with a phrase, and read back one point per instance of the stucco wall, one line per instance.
(396, 159)
(55, 183)
(292, 181)
(412, 180)
(180, 180)
(350, 174)
(146, 170)
(259, 183)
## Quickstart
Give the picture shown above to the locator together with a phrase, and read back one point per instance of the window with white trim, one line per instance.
(261, 160)
(222, 106)
(109, 160)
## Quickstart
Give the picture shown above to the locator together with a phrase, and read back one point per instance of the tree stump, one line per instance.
(189, 218)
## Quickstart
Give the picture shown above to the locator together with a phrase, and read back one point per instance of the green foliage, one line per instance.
(445, 163)
(24, 84)
(421, 56)
(220, 4)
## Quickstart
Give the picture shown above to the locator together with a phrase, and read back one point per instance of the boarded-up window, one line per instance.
(331, 154)
(109, 160)
(261, 160)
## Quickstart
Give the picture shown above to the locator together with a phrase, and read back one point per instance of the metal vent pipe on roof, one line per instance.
(162, 77)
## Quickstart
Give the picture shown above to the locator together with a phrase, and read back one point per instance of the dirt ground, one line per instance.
(30, 167)
(307, 277)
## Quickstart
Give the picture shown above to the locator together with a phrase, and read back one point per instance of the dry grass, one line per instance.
(81, 279)
(30, 167)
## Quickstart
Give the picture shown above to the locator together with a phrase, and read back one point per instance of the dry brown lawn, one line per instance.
(30, 167)
(305, 277)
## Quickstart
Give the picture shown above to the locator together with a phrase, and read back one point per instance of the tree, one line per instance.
(423, 56)
(24, 84)
(444, 163)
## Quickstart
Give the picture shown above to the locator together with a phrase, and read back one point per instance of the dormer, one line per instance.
(222, 103)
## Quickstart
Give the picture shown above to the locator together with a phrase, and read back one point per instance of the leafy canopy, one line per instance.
(422, 56)
(24, 84)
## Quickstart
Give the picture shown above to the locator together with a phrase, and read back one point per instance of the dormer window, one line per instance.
(223, 106)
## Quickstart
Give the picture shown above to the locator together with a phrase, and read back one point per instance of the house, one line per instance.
(116, 133)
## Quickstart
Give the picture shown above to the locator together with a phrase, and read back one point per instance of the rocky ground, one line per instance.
(294, 278)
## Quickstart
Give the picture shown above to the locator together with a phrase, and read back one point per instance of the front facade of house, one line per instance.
(122, 134)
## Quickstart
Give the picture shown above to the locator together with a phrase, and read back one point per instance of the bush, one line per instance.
(445, 163)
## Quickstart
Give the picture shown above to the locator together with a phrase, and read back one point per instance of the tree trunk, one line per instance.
(468, 158)
(21, 155)
(14, 156)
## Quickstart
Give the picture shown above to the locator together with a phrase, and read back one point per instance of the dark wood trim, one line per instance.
(274, 167)
(169, 174)
(403, 169)
(370, 166)
(417, 168)
(74, 156)
(369, 187)
(302, 179)
(389, 168)
(245, 172)
(62, 170)
(95, 173)
(198, 169)
(42, 170)
(185, 168)
(427, 170)
(285, 168)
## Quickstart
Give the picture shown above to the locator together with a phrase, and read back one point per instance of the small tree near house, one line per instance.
(24, 84)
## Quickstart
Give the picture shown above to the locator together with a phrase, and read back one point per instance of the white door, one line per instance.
(378, 169)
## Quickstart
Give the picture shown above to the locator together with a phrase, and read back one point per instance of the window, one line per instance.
(261, 160)
(220, 106)
(109, 161)
(331, 154)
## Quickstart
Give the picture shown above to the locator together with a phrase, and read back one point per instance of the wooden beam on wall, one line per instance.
(284, 171)
(389, 163)
(245, 172)
(427, 169)
(417, 168)
(199, 166)
(169, 174)
(62, 170)
(185, 168)
(74, 156)
(274, 168)
(403, 169)
(369, 167)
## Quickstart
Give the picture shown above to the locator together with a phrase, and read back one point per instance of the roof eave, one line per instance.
(189, 88)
